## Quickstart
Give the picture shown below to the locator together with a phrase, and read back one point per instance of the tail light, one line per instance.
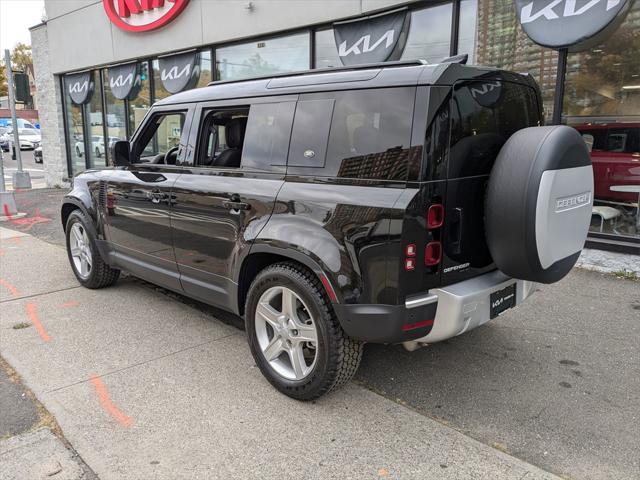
(409, 264)
(432, 254)
(435, 216)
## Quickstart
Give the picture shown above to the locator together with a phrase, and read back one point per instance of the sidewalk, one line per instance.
(146, 387)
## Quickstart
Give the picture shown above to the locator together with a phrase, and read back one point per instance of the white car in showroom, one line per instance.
(30, 138)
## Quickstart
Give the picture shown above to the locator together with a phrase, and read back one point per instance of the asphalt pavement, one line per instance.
(554, 383)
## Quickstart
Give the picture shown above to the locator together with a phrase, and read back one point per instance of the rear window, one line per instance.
(484, 115)
(362, 134)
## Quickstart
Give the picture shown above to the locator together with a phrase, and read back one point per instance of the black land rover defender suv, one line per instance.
(392, 203)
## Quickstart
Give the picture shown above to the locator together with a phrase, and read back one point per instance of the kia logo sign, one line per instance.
(125, 81)
(180, 72)
(79, 87)
(572, 24)
(143, 15)
(373, 39)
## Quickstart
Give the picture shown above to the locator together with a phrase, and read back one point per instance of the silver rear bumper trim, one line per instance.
(464, 306)
(420, 300)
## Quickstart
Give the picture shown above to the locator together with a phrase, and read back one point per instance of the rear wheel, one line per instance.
(294, 336)
(86, 262)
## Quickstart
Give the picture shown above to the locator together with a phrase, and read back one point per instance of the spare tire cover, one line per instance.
(538, 203)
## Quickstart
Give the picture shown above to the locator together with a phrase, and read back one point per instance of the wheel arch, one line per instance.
(263, 256)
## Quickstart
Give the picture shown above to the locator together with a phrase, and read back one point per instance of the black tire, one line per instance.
(338, 356)
(97, 152)
(101, 275)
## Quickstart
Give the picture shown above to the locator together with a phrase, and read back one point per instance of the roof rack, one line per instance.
(363, 66)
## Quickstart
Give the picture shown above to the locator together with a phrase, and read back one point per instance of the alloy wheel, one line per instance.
(80, 249)
(286, 333)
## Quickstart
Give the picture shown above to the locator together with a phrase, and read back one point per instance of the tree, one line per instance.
(4, 87)
(21, 58)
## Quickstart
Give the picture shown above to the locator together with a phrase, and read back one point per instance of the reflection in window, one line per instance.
(467, 29)
(501, 43)
(115, 115)
(139, 106)
(205, 69)
(75, 129)
(602, 101)
(429, 34)
(605, 80)
(97, 150)
(370, 134)
(258, 58)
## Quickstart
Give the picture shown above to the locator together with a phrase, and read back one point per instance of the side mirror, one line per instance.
(120, 152)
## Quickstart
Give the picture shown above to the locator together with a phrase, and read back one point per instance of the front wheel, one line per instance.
(294, 335)
(86, 262)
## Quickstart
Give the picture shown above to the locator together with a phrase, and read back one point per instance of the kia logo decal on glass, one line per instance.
(80, 87)
(180, 72)
(377, 38)
(125, 81)
(573, 24)
(143, 15)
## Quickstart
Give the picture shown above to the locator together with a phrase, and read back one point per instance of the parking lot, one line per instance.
(144, 382)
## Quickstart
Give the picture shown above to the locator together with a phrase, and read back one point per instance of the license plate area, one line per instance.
(502, 300)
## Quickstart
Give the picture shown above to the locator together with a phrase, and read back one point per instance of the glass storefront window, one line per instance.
(326, 49)
(139, 106)
(501, 43)
(602, 101)
(467, 29)
(205, 69)
(97, 148)
(263, 57)
(75, 131)
(115, 113)
(429, 34)
(159, 92)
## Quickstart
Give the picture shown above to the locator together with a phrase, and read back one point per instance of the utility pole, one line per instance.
(20, 179)
(8, 208)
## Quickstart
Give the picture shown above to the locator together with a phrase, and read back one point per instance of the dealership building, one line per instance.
(100, 65)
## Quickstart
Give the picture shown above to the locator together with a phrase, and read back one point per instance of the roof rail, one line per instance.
(363, 66)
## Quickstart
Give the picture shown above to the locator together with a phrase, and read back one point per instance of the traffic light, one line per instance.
(21, 81)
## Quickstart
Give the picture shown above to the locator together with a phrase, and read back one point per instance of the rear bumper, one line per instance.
(466, 305)
(437, 315)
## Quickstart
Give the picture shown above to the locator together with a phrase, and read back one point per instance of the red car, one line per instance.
(615, 153)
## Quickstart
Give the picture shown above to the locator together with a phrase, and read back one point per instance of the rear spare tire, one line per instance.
(538, 204)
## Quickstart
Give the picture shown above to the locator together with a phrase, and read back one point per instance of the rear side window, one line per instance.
(267, 138)
(368, 135)
(484, 115)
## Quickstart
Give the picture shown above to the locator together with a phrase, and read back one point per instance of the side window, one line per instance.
(222, 138)
(160, 139)
(362, 134)
(310, 133)
(266, 141)
(623, 140)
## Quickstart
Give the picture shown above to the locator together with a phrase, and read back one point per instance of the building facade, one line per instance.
(100, 42)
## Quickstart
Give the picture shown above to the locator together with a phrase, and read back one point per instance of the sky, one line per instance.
(16, 16)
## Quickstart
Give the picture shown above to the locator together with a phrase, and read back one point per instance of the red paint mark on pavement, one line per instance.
(32, 312)
(25, 224)
(16, 240)
(117, 414)
(10, 288)
(70, 304)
